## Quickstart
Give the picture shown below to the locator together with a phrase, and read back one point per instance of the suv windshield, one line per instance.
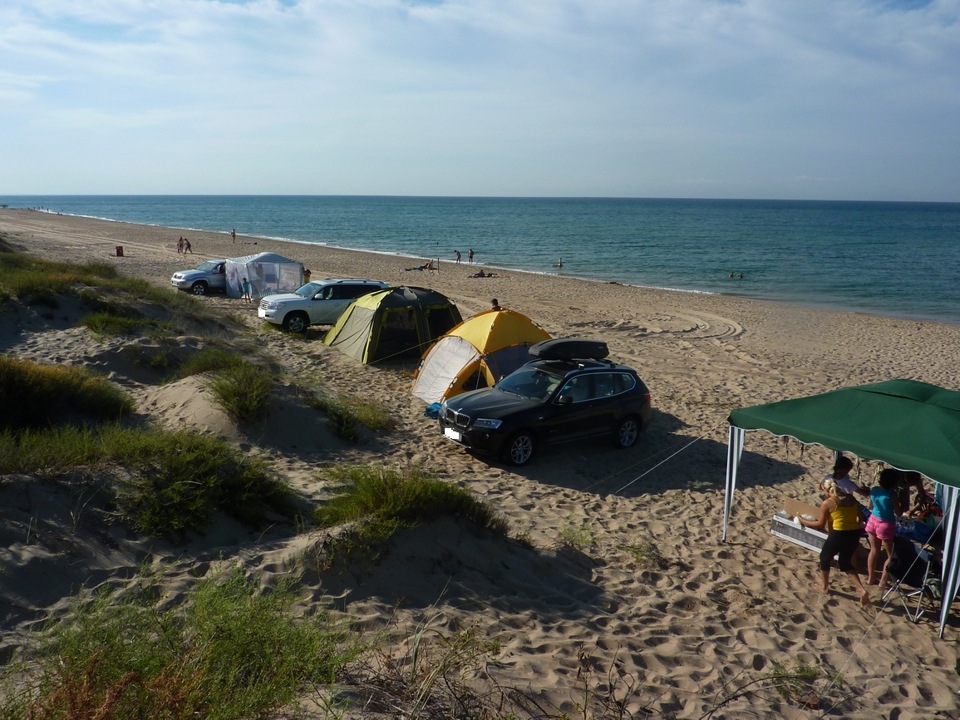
(308, 290)
(531, 382)
(208, 266)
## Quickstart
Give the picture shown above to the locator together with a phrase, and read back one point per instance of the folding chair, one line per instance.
(916, 577)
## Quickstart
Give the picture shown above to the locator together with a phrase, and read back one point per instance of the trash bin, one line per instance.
(119, 250)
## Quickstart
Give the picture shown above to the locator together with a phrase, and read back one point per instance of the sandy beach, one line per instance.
(679, 636)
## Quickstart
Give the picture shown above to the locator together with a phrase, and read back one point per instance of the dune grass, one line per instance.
(210, 359)
(410, 497)
(30, 278)
(347, 413)
(39, 395)
(114, 323)
(378, 501)
(36, 281)
(243, 391)
(175, 482)
(228, 652)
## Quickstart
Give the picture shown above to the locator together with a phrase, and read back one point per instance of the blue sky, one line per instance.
(805, 99)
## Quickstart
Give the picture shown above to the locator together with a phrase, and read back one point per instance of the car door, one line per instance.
(571, 413)
(609, 400)
(592, 408)
(323, 307)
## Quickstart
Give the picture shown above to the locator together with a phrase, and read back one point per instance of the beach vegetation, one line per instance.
(41, 395)
(159, 482)
(524, 538)
(377, 501)
(647, 555)
(577, 536)
(160, 357)
(36, 281)
(803, 684)
(431, 673)
(209, 360)
(243, 391)
(347, 413)
(229, 651)
(176, 359)
(27, 277)
(124, 323)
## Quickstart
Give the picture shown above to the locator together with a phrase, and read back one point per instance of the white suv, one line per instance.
(317, 303)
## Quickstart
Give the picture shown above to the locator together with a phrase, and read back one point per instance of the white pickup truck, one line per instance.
(207, 277)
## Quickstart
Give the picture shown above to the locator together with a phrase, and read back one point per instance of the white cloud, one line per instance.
(760, 98)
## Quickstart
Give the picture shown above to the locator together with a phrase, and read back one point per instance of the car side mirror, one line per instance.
(564, 400)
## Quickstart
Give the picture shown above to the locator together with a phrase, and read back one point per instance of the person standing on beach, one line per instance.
(180, 245)
(246, 290)
(187, 247)
(841, 476)
(457, 255)
(233, 234)
(470, 255)
(840, 518)
(882, 525)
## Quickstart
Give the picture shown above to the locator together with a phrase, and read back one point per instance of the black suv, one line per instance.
(556, 398)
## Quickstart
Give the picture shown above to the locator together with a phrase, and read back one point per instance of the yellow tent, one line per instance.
(476, 353)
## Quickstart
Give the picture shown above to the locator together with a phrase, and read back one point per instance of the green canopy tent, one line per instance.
(907, 424)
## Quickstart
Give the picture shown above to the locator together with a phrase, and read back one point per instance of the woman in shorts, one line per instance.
(840, 517)
(882, 524)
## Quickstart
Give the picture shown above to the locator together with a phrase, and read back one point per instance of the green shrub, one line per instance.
(243, 391)
(377, 502)
(647, 554)
(177, 481)
(38, 281)
(104, 323)
(210, 359)
(794, 681)
(38, 395)
(577, 536)
(229, 652)
(411, 498)
(347, 412)
(342, 421)
(184, 478)
(370, 414)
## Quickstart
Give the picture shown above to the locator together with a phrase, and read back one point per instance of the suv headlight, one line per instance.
(487, 423)
(270, 305)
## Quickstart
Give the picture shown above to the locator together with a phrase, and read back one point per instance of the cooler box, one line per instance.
(785, 527)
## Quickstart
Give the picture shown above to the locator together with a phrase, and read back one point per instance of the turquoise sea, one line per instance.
(885, 258)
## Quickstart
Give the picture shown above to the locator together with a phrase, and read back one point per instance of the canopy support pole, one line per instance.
(735, 438)
(951, 571)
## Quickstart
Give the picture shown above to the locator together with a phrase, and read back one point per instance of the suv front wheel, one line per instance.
(519, 448)
(199, 288)
(297, 322)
